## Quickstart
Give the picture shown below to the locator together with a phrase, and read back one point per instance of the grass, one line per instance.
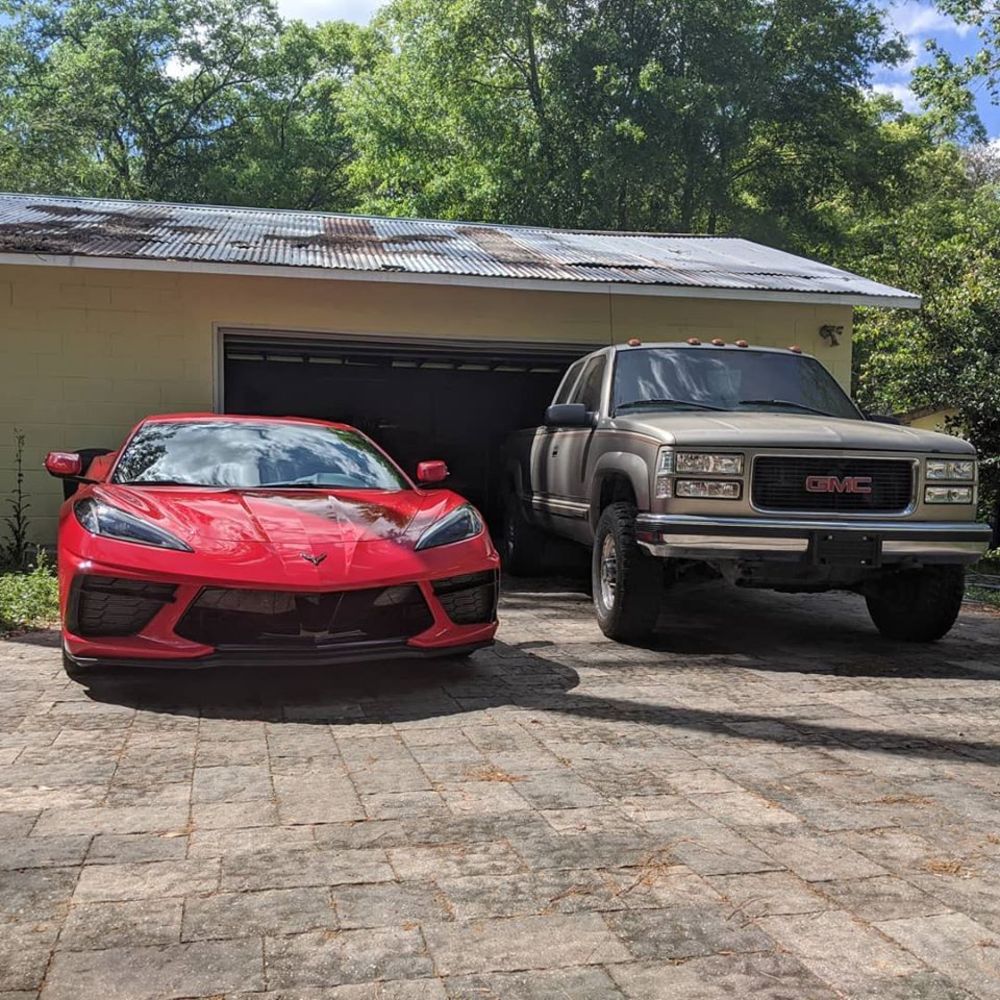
(29, 600)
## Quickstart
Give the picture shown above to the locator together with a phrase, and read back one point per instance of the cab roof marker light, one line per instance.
(634, 342)
(718, 342)
(741, 343)
(694, 341)
(795, 349)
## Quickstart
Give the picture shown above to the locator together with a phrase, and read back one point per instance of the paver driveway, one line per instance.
(773, 803)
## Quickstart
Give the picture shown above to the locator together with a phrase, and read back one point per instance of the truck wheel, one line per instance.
(628, 583)
(523, 544)
(918, 605)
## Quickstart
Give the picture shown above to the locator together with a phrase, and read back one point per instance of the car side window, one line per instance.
(588, 389)
(569, 380)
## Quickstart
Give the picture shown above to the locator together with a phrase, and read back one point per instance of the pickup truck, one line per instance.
(673, 461)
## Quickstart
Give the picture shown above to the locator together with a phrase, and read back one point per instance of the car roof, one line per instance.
(239, 418)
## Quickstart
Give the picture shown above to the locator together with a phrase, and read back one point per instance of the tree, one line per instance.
(658, 114)
(172, 99)
(940, 238)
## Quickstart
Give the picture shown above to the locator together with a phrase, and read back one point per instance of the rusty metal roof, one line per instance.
(258, 240)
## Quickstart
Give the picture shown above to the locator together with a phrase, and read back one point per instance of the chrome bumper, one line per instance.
(821, 542)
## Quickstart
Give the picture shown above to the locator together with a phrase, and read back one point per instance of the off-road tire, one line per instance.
(918, 605)
(638, 588)
(522, 547)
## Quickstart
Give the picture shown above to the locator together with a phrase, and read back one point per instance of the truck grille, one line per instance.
(268, 618)
(779, 483)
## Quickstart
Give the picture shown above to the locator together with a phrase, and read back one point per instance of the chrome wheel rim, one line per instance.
(609, 571)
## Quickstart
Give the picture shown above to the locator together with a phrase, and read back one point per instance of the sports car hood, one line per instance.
(786, 430)
(284, 518)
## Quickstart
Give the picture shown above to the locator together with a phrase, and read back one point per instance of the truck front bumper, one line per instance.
(815, 541)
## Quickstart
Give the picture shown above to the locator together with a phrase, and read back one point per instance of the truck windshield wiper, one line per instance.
(693, 403)
(160, 482)
(786, 402)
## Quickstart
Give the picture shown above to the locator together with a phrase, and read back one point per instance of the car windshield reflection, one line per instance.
(250, 455)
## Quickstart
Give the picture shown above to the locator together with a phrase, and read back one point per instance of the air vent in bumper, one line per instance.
(113, 606)
(469, 599)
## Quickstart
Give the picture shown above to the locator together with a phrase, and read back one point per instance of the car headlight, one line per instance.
(948, 494)
(102, 519)
(461, 524)
(708, 489)
(963, 470)
(696, 462)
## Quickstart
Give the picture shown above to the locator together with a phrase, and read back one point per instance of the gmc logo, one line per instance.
(835, 484)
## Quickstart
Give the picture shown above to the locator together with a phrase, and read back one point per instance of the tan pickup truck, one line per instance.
(670, 460)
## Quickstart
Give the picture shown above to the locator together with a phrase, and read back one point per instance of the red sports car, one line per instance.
(212, 539)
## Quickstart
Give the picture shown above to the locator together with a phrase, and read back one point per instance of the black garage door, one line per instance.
(452, 400)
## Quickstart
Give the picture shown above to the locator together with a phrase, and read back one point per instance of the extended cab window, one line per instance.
(569, 380)
(711, 378)
(588, 390)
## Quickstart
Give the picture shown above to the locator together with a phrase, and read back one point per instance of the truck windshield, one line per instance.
(731, 380)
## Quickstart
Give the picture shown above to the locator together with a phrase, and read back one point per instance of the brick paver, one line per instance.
(772, 802)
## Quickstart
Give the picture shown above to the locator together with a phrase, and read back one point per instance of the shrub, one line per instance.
(29, 599)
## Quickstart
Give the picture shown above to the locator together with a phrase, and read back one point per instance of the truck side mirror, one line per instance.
(568, 415)
(64, 464)
(434, 471)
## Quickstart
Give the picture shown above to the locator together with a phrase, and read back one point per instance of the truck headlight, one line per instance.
(948, 494)
(951, 469)
(708, 489)
(703, 463)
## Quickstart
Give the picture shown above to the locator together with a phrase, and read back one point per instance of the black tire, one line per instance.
(523, 545)
(627, 610)
(918, 605)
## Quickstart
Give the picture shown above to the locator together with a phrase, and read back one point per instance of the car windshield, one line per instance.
(716, 379)
(248, 455)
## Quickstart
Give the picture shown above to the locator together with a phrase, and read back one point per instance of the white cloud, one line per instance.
(901, 92)
(912, 19)
(312, 11)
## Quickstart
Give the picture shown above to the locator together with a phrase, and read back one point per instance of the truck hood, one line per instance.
(705, 429)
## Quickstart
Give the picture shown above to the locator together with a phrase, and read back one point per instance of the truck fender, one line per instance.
(619, 464)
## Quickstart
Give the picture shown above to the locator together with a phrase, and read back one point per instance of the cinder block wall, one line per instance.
(86, 352)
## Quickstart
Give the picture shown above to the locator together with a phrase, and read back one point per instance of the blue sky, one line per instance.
(917, 20)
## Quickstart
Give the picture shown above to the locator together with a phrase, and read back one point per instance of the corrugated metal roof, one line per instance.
(46, 226)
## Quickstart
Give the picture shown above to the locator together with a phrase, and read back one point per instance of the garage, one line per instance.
(437, 338)
(419, 399)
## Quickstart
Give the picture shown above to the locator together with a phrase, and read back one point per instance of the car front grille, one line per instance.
(112, 606)
(469, 599)
(268, 618)
(780, 483)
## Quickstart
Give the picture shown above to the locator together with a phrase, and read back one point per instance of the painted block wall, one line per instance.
(86, 352)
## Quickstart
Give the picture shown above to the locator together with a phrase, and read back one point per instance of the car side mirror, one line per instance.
(64, 464)
(883, 418)
(568, 415)
(434, 471)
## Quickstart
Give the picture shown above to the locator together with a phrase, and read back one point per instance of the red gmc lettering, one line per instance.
(836, 484)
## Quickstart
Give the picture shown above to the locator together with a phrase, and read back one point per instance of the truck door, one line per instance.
(575, 451)
(546, 479)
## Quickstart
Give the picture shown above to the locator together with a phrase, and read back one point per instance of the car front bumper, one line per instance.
(864, 543)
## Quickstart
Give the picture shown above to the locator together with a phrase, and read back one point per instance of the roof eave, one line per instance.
(902, 300)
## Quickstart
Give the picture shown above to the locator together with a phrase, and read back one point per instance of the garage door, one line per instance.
(456, 400)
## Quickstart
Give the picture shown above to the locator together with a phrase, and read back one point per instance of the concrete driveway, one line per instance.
(774, 803)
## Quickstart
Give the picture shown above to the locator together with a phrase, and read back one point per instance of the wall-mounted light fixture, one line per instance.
(831, 334)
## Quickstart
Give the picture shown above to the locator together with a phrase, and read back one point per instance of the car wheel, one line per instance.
(918, 605)
(628, 583)
(523, 544)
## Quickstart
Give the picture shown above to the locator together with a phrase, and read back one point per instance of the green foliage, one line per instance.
(14, 553)
(31, 599)
(659, 114)
(185, 100)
